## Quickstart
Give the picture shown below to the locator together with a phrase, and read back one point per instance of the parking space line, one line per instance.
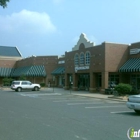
(117, 112)
(82, 103)
(93, 103)
(75, 100)
(104, 106)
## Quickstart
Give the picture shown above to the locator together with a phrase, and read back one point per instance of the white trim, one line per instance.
(83, 39)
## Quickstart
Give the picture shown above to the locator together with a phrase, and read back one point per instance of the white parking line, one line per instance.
(93, 103)
(74, 100)
(36, 95)
(104, 106)
(81, 103)
(122, 112)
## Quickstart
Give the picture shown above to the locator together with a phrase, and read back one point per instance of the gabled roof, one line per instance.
(132, 65)
(33, 71)
(9, 51)
(58, 70)
(5, 72)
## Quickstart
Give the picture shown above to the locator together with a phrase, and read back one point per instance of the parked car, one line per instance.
(134, 103)
(24, 85)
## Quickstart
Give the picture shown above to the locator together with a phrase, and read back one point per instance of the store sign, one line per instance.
(81, 68)
(134, 51)
(61, 62)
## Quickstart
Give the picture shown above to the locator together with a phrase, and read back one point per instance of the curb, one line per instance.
(109, 98)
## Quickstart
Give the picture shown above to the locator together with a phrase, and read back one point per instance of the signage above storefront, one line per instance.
(81, 68)
(134, 51)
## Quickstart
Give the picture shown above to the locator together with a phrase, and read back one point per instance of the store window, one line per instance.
(82, 59)
(76, 59)
(113, 79)
(87, 58)
(135, 81)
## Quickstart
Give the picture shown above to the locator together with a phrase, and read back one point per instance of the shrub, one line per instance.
(7, 81)
(123, 88)
(42, 84)
(22, 77)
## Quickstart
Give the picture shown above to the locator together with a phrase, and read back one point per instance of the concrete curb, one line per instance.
(108, 98)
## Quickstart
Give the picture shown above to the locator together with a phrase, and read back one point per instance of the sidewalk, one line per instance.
(87, 94)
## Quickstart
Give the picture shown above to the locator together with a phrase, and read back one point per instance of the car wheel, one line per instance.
(36, 88)
(19, 89)
(137, 111)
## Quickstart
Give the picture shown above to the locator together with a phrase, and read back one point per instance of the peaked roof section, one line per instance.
(58, 70)
(35, 71)
(132, 65)
(9, 51)
(6, 72)
(83, 39)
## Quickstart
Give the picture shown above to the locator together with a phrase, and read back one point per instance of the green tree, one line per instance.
(3, 3)
(22, 77)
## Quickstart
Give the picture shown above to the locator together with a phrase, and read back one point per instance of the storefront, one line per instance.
(94, 68)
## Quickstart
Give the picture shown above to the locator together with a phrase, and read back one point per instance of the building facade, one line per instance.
(87, 66)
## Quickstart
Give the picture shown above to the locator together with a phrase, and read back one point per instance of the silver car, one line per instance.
(24, 85)
(134, 103)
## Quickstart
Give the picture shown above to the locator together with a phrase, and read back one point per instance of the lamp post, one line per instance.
(53, 82)
(70, 83)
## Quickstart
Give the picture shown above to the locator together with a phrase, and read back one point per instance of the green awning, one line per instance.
(33, 71)
(58, 70)
(5, 72)
(132, 65)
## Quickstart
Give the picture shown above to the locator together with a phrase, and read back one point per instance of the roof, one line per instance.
(9, 51)
(5, 72)
(132, 65)
(34, 71)
(58, 70)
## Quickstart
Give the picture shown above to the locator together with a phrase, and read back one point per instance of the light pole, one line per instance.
(53, 82)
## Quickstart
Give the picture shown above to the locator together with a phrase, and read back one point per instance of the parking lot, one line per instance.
(58, 116)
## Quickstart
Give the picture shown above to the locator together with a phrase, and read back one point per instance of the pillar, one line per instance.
(92, 82)
(66, 81)
(104, 80)
(75, 81)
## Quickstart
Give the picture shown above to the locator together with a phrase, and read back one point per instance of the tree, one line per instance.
(22, 77)
(3, 3)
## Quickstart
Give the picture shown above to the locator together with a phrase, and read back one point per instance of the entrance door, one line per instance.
(83, 82)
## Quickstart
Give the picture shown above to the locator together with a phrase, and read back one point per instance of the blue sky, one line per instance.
(51, 27)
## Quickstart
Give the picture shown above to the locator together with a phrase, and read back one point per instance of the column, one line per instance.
(75, 81)
(92, 82)
(104, 80)
(66, 81)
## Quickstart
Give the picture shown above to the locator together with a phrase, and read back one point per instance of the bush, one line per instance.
(7, 81)
(123, 88)
(22, 77)
(42, 84)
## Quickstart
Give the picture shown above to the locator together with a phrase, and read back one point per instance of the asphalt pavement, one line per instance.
(57, 114)
(81, 93)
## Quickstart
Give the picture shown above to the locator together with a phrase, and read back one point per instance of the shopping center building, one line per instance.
(86, 67)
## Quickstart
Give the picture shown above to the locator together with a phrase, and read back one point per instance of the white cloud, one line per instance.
(27, 21)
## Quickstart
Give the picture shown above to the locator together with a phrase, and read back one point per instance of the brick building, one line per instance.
(35, 68)
(94, 67)
(87, 67)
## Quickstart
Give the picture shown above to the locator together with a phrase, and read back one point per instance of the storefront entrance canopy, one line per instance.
(6, 72)
(132, 65)
(59, 70)
(35, 71)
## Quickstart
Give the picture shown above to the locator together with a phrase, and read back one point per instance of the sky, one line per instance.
(51, 27)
